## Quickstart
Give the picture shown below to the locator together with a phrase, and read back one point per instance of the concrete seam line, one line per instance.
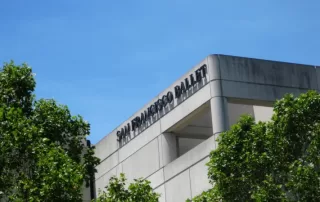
(190, 183)
(266, 84)
(165, 181)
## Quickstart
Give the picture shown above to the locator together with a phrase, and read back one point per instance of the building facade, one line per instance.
(168, 141)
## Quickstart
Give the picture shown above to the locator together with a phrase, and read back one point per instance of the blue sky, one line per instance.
(106, 59)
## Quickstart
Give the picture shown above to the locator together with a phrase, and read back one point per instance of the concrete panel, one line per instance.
(267, 72)
(185, 108)
(196, 131)
(161, 190)
(199, 178)
(262, 113)
(237, 110)
(167, 148)
(103, 181)
(190, 158)
(160, 151)
(156, 178)
(138, 142)
(257, 92)
(178, 188)
(107, 164)
(107, 145)
(186, 144)
(143, 163)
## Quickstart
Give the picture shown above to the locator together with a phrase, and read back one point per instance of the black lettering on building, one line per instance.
(153, 110)
(142, 117)
(177, 91)
(186, 80)
(133, 124)
(193, 82)
(138, 121)
(156, 107)
(198, 75)
(122, 133)
(203, 69)
(149, 112)
(127, 129)
(165, 100)
(146, 114)
(170, 96)
(183, 88)
(161, 103)
(119, 136)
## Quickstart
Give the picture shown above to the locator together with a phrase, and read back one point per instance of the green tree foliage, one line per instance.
(139, 191)
(42, 152)
(277, 160)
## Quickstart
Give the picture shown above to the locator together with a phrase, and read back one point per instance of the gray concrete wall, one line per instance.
(264, 80)
(233, 85)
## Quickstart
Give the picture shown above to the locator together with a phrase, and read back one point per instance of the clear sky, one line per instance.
(106, 59)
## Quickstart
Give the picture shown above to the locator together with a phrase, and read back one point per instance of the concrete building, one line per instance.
(169, 139)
